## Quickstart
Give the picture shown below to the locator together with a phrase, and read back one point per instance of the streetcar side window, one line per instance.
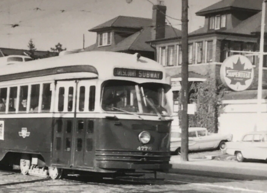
(61, 99)
(3, 95)
(34, 101)
(92, 98)
(70, 99)
(81, 98)
(46, 97)
(13, 99)
(23, 98)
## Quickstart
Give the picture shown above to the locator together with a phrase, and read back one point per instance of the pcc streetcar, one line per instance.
(99, 112)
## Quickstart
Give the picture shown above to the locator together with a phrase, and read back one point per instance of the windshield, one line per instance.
(125, 96)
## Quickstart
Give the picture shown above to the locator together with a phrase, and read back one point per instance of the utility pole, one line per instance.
(259, 93)
(184, 89)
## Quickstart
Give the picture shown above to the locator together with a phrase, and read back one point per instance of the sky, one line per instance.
(48, 22)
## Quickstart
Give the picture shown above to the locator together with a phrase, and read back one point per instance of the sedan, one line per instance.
(198, 139)
(253, 145)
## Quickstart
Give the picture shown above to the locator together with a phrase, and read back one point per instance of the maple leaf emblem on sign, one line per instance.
(238, 73)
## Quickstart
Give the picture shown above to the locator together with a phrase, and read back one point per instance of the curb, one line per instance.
(217, 171)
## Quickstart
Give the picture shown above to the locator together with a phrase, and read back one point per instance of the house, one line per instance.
(130, 34)
(230, 26)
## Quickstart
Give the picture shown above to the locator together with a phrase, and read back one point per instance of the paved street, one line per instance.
(13, 181)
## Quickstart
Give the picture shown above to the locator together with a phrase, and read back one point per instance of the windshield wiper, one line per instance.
(153, 107)
(128, 112)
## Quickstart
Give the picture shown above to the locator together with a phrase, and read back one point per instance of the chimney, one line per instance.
(158, 21)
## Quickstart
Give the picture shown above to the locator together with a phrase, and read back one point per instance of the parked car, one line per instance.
(253, 145)
(198, 139)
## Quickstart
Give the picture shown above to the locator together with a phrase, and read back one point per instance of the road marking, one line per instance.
(218, 186)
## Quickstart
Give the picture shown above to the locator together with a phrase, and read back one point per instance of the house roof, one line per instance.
(247, 27)
(225, 5)
(191, 74)
(136, 41)
(12, 51)
(124, 22)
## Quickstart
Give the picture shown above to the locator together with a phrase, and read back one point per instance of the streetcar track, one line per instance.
(24, 182)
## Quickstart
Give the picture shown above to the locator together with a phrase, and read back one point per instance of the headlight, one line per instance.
(144, 137)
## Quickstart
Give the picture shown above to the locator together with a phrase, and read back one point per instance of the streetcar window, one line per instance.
(79, 144)
(90, 127)
(59, 126)
(70, 99)
(80, 126)
(92, 98)
(68, 144)
(89, 144)
(69, 127)
(58, 143)
(3, 95)
(34, 101)
(81, 98)
(23, 98)
(13, 99)
(61, 99)
(46, 97)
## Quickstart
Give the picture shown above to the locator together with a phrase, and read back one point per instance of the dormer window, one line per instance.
(217, 22)
(104, 39)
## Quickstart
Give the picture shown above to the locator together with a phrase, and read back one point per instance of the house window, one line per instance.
(199, 51)
(209, 51)
(162, 55)
(217, 22)
(190, 53)
(175, 99)
(223, 21)
(178, 55)
(170, 56)
(250, 48)
(212, 23)
(104, 39)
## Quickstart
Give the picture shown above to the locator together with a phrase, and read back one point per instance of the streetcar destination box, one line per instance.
(126, 72)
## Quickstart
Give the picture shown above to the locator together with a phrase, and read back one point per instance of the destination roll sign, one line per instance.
(135, 73)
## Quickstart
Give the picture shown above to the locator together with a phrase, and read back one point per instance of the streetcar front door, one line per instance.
(73, 129)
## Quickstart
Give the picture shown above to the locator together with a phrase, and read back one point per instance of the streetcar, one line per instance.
(96, 112)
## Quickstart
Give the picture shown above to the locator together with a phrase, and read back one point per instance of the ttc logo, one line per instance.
(24, 133)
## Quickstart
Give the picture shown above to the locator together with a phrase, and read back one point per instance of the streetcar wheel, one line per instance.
(25, 165)
(54, 173)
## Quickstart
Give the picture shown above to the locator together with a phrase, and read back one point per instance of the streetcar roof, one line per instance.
(101, 64)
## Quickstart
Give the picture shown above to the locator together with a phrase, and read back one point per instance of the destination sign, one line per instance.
(126, 72)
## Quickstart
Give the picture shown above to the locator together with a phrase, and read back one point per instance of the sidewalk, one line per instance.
(215, 168)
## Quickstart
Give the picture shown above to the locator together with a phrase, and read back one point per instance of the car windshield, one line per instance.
(125, 96)
(201, 133)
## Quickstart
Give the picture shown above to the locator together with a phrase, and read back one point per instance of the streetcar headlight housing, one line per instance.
(144, 137)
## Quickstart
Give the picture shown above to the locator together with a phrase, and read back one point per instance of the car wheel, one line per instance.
(239, 157)
(222, 145)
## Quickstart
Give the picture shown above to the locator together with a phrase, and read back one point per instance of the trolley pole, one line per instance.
(184, 88)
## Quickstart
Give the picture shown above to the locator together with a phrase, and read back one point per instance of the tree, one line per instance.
(32, 49)
(208, 97)
(58, 48)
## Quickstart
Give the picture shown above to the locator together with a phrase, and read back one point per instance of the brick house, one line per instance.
(230, 25)
(130, 34)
